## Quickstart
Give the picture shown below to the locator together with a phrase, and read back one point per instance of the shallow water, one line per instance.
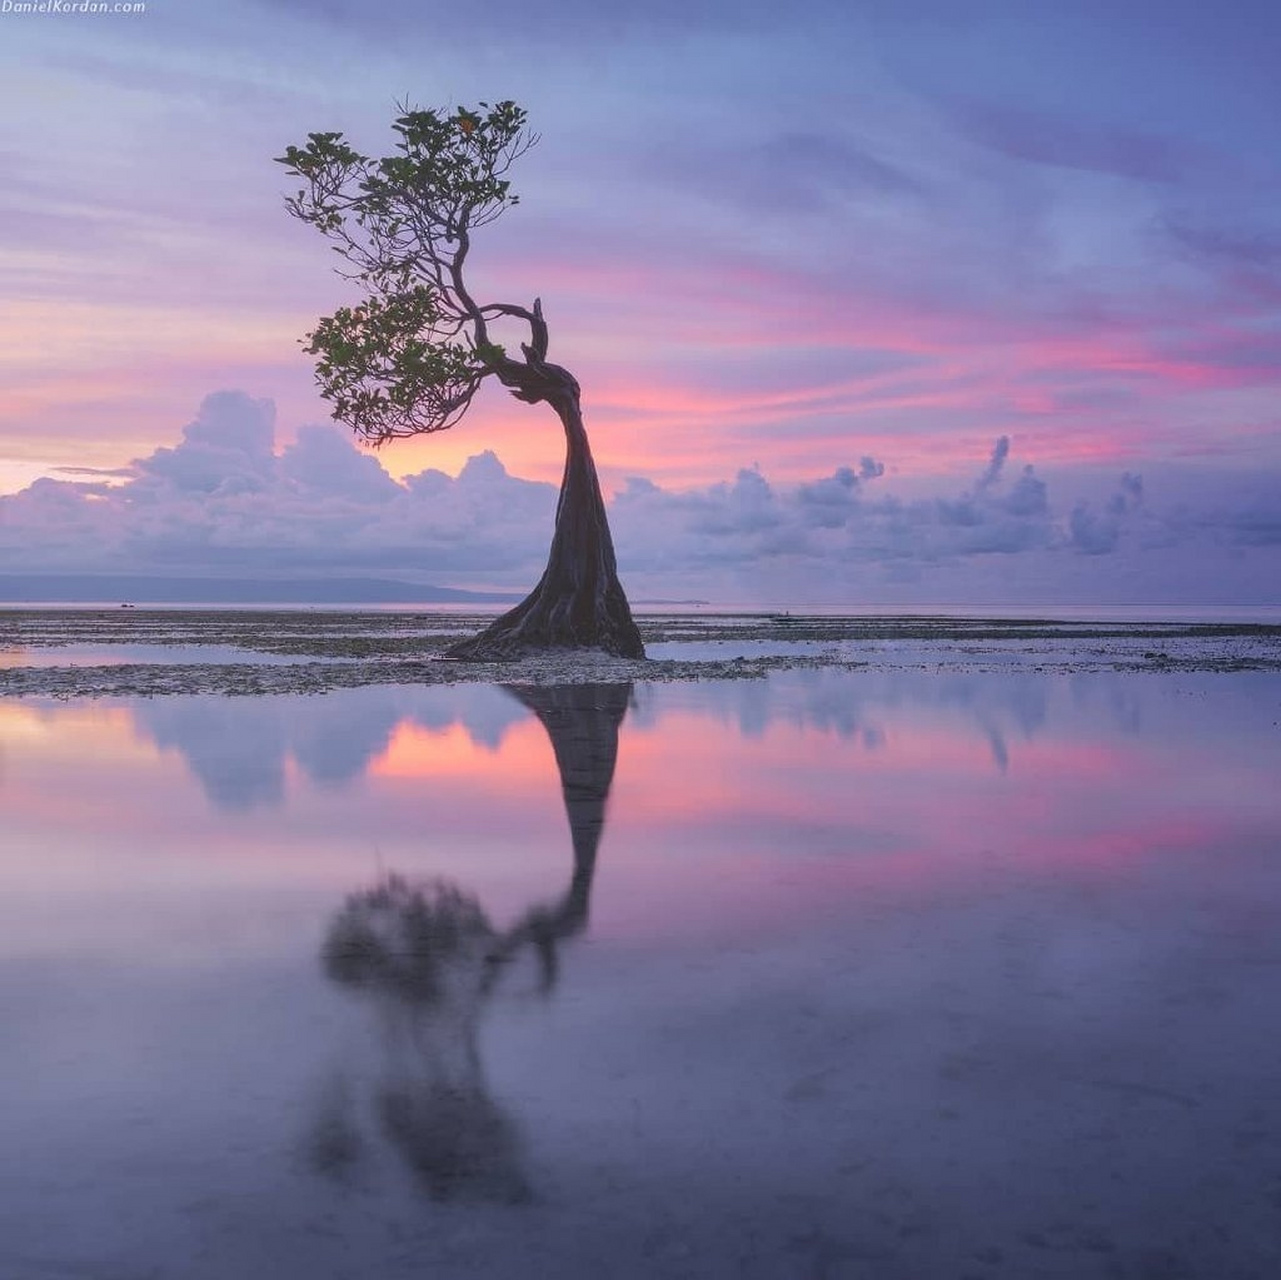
(832, 974)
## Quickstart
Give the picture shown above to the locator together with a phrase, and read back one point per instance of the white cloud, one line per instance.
(833, 524)
(224, 501)
(229, 448)
(324, 463)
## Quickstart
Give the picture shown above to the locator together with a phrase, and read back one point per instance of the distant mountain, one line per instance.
(656, 601)
(76, 588)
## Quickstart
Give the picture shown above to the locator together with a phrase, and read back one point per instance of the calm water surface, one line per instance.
(836, 974)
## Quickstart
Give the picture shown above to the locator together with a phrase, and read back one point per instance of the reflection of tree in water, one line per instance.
(424, 953)
(430, 958)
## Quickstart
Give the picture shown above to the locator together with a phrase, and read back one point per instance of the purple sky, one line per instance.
(869, 301)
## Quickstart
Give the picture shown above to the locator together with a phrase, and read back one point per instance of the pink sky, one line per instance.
(777, 247)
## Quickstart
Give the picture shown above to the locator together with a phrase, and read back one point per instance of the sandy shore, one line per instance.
(109, 653)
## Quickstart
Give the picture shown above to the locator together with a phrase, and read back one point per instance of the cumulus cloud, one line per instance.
(226, 500)
(834, 522)
(228, 448)
(1245, 512)
(992, 472)
(1098, 532)
(322, 462)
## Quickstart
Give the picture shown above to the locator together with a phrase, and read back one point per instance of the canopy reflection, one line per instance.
(429, 959)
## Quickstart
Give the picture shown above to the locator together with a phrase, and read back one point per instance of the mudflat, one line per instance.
(69, 653)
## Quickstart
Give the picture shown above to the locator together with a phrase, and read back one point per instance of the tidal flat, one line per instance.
(812, 947)
(106, 652)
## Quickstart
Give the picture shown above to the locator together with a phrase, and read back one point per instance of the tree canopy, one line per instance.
(409, 357)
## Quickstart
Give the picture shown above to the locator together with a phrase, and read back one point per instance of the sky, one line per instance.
(901, 302)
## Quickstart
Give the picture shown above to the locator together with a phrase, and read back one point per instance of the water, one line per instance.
(836, 974)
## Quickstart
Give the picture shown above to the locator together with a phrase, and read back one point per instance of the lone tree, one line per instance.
(411, 355)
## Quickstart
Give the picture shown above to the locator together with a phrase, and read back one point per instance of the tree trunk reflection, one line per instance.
(429, 959)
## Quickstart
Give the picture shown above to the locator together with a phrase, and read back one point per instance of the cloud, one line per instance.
(228, 448)
(1096, 533)
(243, 756)
(224, 501)
(1047, 139)
(1000, 451)
(1242, 512)
(324, 463)
(573, 22)
(833, 523)
(1234, 246)
(227, 501)
(788, 173)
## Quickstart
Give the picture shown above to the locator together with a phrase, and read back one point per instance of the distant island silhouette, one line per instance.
(81, 588)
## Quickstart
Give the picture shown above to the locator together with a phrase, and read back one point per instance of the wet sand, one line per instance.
(69, 653)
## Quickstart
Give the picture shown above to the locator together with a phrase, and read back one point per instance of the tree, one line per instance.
(410, 356)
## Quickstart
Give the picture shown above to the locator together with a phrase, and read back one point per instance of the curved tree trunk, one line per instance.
(579, 602)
